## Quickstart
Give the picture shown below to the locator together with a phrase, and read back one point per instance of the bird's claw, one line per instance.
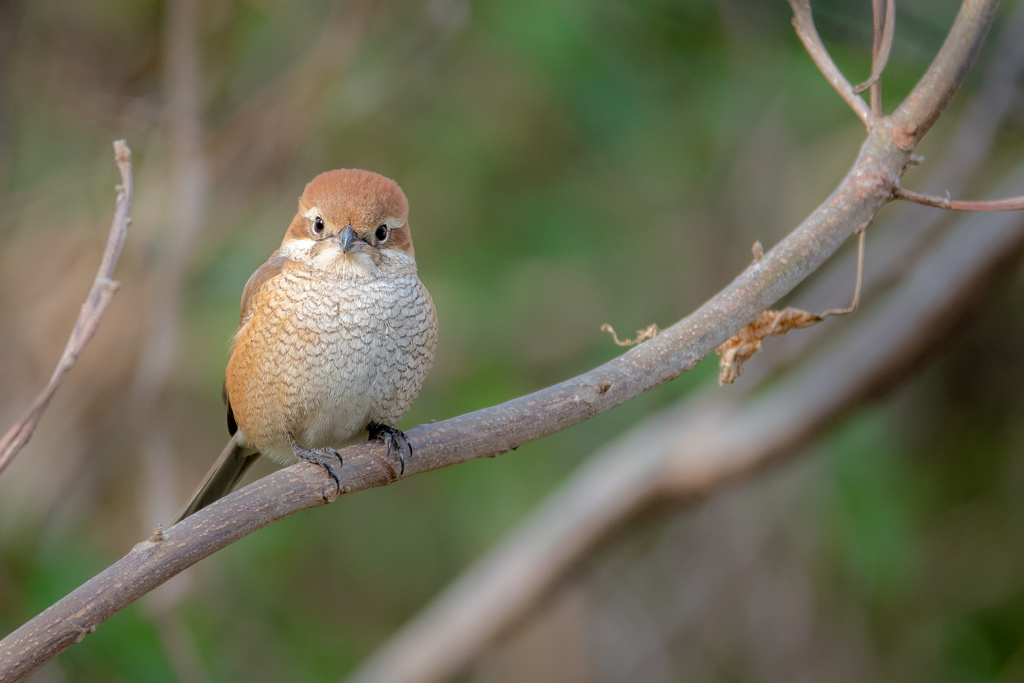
(318, 456)
(396, 440)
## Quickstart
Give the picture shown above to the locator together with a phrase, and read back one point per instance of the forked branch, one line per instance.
(805, 29)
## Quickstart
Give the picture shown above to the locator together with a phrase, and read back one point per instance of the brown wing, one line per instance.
(268, 270)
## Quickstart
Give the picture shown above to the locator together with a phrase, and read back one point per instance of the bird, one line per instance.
(336, 335)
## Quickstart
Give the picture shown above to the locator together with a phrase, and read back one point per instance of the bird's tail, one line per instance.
(222, 478)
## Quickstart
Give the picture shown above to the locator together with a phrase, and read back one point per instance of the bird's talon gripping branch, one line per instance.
(318, 456)
(396, 441)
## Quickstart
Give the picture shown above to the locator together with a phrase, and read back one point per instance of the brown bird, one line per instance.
(335, 337)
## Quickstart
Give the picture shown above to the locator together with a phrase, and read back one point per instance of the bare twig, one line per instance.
(857, 284)
(884, 13)
(88, 320)
(693, 449)
(1011, 204)
(804, 24)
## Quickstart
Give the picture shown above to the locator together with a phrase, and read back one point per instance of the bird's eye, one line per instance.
(381, 234)
(318, 226)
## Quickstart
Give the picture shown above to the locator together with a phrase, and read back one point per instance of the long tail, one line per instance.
(222, 478)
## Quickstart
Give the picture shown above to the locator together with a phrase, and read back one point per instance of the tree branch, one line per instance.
(929, 98)
(869, 184)
(1011, 204)
(100, 295)
(693, 449)
(803, 22)
(884, 19)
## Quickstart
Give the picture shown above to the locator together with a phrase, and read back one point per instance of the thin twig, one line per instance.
(884, 17)
(857, 286)
(804, 24)
(1011, 204)
(100, 295)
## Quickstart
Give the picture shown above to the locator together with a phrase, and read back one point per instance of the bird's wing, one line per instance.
(269, 270)
(272, 268)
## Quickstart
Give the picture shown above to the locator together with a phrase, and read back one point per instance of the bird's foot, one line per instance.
(318, 456)
(396, 441)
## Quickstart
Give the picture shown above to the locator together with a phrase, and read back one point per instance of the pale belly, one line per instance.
(331, 360)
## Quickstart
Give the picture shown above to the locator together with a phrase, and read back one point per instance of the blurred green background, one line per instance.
(568, 164)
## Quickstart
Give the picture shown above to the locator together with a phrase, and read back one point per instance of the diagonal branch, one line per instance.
(804, 25)
(100, 295)
(692, 449)
(929, 98)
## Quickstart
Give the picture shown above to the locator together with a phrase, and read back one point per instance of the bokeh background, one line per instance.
(568, 164)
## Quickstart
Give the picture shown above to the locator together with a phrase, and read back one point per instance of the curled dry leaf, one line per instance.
(649, 332)
(738, 349)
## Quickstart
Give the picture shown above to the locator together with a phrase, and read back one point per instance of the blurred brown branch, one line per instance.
(189, 186)
(88, 320)
(869, 185)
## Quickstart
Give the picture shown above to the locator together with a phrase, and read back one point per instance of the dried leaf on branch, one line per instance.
(740, 347)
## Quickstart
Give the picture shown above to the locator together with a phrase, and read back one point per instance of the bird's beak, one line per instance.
(348, 239)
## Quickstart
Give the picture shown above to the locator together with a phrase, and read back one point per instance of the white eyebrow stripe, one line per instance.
(311, 213)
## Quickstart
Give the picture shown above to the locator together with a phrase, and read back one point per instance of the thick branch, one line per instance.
(100, 295)
(929, 98)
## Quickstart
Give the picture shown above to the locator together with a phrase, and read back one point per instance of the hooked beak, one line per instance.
(348, 239)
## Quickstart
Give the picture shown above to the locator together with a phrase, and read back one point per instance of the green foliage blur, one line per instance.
(568, 164)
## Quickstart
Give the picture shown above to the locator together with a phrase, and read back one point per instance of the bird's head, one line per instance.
(349, 218)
